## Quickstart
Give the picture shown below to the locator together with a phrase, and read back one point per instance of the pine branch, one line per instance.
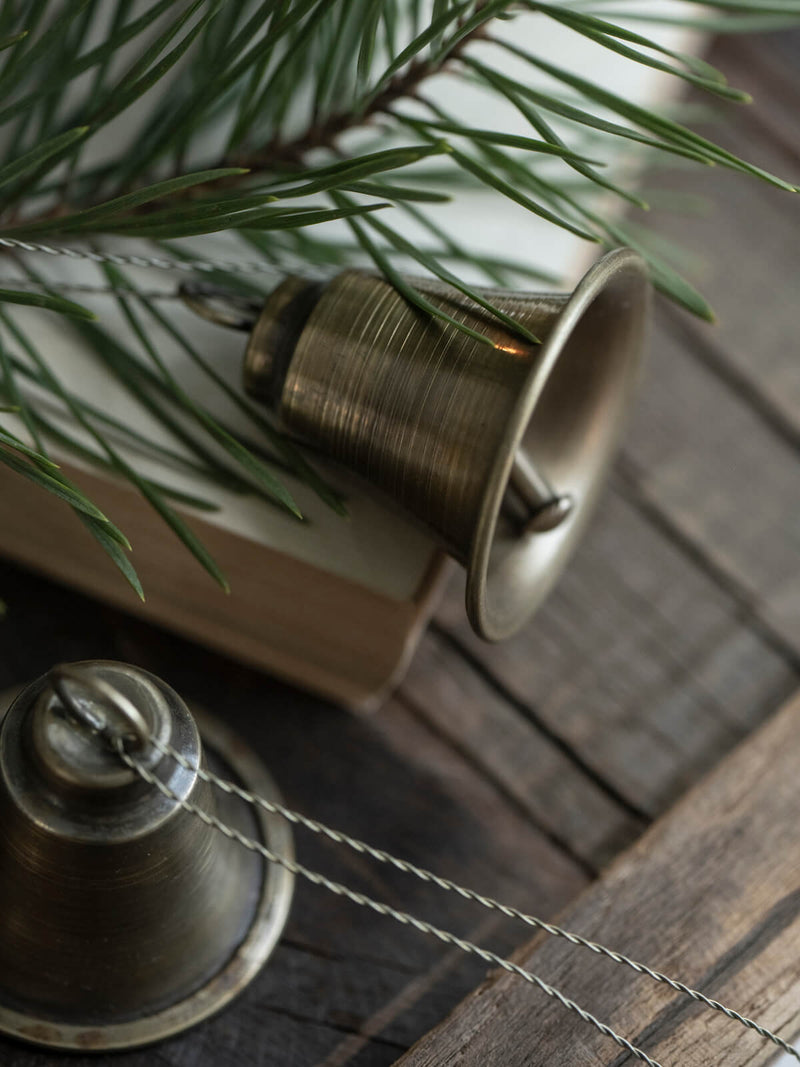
(400, 86)
(291, 85)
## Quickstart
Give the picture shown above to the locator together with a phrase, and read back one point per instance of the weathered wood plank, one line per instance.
(745, 253)
(710, 894)
(766, 66)
(639, 661)
(545, 777)
(729, 481)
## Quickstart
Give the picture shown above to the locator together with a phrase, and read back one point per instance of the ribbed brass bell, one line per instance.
(123, 917)
(499, 450)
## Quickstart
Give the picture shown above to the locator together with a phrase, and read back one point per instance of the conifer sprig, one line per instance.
(272, 119)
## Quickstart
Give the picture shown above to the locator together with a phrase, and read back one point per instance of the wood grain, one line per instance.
(641, 663)
(730, 484)
(710, 894)
(544, 777)
(743, 241)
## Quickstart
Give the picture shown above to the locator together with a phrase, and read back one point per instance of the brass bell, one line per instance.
(123, 917)
(499, 450)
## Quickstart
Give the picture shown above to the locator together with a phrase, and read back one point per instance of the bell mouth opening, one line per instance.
(566, 425)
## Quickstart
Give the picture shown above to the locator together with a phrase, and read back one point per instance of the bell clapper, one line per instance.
(545, 509)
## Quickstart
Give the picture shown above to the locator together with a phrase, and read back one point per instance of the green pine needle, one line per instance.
(34, 473)
(48, 301)
(53, 146)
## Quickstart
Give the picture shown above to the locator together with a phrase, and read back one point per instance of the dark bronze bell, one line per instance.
(123, 917)
(499, 450)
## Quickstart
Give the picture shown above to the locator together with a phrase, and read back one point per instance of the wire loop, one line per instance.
(120, 721)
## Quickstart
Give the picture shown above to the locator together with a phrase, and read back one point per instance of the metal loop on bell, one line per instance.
(220, 306)
(132, 728)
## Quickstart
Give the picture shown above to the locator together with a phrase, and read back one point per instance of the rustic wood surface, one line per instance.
(522, 769)
(710, 894)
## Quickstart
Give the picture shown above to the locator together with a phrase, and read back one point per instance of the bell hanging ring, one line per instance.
(499, 450)
(123, 917)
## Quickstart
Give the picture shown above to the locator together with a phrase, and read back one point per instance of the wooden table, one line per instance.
(524, 769)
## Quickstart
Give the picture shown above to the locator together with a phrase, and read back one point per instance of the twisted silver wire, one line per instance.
(489, 903)
(291, 265)
(375, 905)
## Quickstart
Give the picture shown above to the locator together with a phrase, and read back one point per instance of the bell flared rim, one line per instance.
(500, 600)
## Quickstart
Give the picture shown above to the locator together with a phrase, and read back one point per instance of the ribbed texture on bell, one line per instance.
(433, 418)
(115, 901)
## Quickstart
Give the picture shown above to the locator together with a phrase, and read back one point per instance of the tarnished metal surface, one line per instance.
(437, 420)
(123, 918)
